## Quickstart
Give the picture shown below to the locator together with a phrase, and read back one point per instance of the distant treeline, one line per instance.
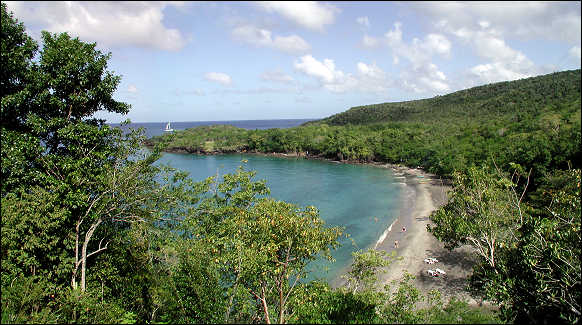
(534, 122)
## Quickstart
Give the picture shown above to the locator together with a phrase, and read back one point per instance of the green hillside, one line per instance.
(534, 122)
(523, 97)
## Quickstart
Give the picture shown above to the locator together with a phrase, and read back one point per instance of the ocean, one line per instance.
(157, 128)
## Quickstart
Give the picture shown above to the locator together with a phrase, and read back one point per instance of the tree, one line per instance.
(530, 252)
(362, 274)
(71, 185)
(548, 271)
(483, 211)
(261, 246)
(17, 50)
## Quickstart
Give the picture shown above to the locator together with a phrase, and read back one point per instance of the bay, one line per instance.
(363, 199)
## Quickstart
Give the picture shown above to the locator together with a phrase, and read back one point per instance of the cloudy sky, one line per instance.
(210, 61)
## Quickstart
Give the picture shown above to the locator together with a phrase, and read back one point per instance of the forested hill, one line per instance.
(533, 122)
(528, 96)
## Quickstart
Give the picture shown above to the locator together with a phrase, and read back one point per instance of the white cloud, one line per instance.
(252, 35)
(436, 43)
(525, 20)
(370, 42)
(496, 71)
(308, 14)
(363, 21)
(107, 23)
(504, 63)
(421, 76)
(370, 78)
(197, 92)
(276, 76)
(324, 71)
(219, 77)
(575, 53)
(292, 44)
(132, 89)
(418, 52)
(489, 45)
(486, 26)
(394, 37)
(426, 78)
(372, 71)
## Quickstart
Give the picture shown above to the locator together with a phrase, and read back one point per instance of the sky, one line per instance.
(217, 61)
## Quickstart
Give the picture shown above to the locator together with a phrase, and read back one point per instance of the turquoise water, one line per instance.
(363, 199)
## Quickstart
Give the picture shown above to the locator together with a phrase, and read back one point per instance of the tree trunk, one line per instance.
(264, 303)
(74, 277)
(84, 252)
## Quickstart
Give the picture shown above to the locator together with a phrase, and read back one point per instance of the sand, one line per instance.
(425, 193)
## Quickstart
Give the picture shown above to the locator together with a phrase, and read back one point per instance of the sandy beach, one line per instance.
(424, 194)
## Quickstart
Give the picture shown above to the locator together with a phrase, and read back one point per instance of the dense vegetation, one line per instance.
(512, 152)
(533, 122)
(94, 231)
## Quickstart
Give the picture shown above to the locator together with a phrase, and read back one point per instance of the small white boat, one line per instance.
(168, 128)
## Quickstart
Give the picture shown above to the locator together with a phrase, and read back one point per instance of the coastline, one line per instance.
(426, 193)
(423, 193)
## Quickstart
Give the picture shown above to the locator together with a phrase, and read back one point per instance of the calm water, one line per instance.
(157, 128)
(363, 199)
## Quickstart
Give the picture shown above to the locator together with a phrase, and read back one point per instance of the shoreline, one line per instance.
(427, 193)
(423, 194)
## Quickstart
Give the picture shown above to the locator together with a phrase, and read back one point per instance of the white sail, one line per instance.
(168, 128)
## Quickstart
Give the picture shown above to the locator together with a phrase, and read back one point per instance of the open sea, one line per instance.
(157, 128)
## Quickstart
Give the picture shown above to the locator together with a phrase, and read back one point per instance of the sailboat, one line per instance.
(168, 128)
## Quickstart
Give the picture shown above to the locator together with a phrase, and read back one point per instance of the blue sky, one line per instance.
(211, 61)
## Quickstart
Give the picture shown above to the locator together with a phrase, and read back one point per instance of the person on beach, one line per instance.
(395, 244)
(403, 229)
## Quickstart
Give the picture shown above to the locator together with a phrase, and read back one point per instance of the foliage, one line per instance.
(260, 245)
(365, 265)
(68, 179)
(24, 299)
(94, 230)
(550, 255)
(483, 210)
(534, 122)
(530, 257)
(17, 50)
(459, 312)
(317, 303)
